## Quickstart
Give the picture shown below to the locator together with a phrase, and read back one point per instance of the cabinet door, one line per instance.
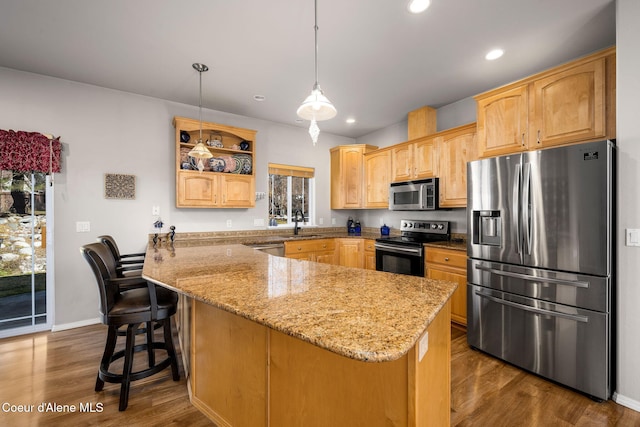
(569, 106)
(324, 257)
(401, 162)
(502, 122)
(455, 150)
(350, 252)
(459, 297)
(237, 191)
(377, 168)
(424, 159)
(196, 189)
(369, 254)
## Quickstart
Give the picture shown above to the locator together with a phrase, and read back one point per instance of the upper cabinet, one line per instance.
(228, 179)
(571, 103)
(347, 171)
(503, 118)
(455, 148)
(377, 176)
(413, 160)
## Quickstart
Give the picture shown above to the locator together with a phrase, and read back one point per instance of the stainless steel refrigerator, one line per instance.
(540, 266)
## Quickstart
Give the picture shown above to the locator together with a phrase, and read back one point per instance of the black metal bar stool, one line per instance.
(130, 302)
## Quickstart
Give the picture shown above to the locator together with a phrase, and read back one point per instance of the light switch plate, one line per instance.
(632, 237)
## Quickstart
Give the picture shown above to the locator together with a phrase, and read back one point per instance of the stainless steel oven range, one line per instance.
(405, 254)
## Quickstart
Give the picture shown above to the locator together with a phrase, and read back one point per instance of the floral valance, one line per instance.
(29, 152)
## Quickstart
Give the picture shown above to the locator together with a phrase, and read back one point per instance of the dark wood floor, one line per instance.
(60, 368)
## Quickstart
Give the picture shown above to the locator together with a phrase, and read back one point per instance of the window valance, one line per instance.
(288, 170)
(29, 152)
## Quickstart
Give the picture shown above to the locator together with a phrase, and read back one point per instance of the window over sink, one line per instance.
(291, 189)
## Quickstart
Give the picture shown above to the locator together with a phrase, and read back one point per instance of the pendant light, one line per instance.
(200, 151)
(316, 107)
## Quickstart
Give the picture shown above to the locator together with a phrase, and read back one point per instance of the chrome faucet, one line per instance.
(297, 216)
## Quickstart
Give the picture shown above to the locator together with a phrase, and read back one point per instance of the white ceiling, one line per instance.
(376, 61)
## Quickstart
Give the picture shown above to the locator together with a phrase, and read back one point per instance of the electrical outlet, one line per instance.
(333, 221)
(258, 222)
(229, 223)
(83, 226)
(632, 237)
(381, 221)
(155, 210)
(320, 221)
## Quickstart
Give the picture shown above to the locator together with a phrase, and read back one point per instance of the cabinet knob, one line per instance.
(446, 258)
(538, 136)
(299, 248)
(523, 139)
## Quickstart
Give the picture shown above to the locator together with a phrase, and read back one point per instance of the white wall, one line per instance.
(628, 141)
(107, 131)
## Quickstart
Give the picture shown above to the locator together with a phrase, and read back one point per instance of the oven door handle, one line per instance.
(575, 317)
(398, 249)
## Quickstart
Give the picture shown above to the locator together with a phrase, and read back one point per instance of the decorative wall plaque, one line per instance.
(119, 186)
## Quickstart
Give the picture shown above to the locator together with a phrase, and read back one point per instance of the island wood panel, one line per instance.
(229, 372)
(311, 386)
(245, 374)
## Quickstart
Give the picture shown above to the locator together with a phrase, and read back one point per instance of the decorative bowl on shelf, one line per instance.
(184, 136)
(244, 145)
(217, 164)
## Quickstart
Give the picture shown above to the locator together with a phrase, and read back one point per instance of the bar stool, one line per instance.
(127, 264)
(122, 304)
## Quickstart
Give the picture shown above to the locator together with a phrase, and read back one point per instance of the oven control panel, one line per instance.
(422, 226)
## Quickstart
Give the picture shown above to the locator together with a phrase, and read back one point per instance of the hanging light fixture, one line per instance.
(316, 107)
(200, 151)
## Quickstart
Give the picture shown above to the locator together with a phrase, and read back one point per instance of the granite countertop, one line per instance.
(361, 314)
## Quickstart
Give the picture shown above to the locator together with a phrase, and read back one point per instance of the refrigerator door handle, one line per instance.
(526, 209)
(577, 318)
(576, 283)
(515, 218)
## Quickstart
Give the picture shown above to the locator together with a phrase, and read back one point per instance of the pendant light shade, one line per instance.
(316, 107)
(200, 151)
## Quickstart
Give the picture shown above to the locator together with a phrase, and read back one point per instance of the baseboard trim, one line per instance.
(73, 325)
(627, 402)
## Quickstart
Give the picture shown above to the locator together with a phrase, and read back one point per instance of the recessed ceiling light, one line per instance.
(350, 120)
(259, 98)
(418, 6)
(494, 54)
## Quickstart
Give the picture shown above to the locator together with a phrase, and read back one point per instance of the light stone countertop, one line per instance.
(361, 314)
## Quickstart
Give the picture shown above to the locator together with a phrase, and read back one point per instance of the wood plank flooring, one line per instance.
(60, 369)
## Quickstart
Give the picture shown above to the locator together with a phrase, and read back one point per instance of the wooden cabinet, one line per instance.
(451, 265)
(231, 187)
(413, 160)
(569, 106)
(456, 147)
(503, 118)
(574, 102)
(347, 169)
(369, 254)
(421, 122)
(377, 169)
(210, 190)
(317, 250)
(350, 252)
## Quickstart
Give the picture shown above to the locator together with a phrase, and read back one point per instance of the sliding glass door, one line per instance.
(25, 290)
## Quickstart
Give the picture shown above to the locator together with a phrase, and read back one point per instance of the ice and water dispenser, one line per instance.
(487, 228)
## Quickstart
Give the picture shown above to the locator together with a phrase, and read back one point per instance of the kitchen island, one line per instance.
(283, 342)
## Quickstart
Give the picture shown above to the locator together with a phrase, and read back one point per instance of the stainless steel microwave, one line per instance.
(419, 195)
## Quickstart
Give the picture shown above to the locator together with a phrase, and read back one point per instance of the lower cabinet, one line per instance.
(318, 250)
(369, 254)
(350, 252)
(451, 265)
